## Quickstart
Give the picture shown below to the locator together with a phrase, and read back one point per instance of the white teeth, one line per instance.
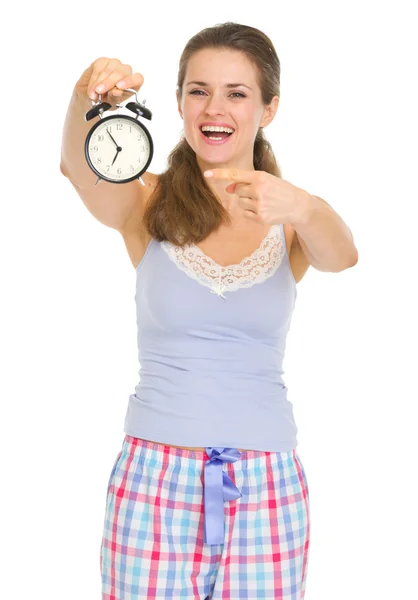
(212, 128)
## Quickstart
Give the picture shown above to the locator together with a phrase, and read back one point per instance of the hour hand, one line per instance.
(116, 155)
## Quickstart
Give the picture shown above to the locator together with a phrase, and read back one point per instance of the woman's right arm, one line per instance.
(109, 203)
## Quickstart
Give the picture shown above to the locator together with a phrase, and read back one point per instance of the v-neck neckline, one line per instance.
(202, 254)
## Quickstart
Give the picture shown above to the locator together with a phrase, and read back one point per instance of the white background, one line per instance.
(346, 130)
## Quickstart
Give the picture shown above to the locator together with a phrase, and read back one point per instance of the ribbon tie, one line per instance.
(218, 289)
(218, 487)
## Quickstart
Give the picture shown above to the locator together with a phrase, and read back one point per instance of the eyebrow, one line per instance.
(227, 85)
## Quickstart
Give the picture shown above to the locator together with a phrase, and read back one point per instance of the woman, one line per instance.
(208, 497)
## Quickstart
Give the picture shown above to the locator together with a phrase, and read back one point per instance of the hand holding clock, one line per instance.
(113, 75)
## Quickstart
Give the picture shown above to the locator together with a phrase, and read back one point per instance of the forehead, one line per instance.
(214, 64)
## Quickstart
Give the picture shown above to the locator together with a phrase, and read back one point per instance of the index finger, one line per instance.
(233, 174)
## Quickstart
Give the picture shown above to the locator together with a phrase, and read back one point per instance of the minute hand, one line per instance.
(111, 137)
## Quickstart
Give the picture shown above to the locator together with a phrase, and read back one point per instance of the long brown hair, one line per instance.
(182, 209)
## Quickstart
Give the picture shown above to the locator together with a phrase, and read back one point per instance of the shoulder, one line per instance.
(297, 257)
(134, 221)
(134, 234)
(289, 234)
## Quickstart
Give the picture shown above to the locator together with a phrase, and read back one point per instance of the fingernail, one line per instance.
(120, 84)
(208, 173)
(100, 88)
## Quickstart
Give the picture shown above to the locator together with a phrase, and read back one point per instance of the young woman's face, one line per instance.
(239, 107)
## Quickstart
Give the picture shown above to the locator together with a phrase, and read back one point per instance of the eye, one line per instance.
(238, 94)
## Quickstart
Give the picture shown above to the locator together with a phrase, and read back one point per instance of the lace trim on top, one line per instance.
(256, 268)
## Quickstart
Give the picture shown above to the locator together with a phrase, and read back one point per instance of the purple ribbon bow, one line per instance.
(218, 487)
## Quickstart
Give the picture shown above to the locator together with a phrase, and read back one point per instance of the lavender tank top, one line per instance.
(211, 344)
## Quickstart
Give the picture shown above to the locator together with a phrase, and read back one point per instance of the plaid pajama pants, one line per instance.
(153, 544)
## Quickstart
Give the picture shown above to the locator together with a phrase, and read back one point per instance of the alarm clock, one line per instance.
(118, 148)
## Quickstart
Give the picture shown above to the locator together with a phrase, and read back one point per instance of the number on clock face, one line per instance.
(110, 135)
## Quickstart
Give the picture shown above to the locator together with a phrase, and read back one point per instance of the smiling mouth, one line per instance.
(217, 135)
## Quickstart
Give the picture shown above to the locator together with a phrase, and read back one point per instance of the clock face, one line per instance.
(119, 148)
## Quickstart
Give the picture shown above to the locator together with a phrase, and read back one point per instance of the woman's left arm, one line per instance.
(322, 234)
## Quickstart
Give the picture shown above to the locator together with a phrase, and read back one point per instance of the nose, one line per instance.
(215, 104)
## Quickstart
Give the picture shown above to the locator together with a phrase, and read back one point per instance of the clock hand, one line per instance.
(118, 148)
(111, 137)
(116, 155)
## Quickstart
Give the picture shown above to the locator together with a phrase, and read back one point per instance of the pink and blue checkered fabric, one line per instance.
(153, 538)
